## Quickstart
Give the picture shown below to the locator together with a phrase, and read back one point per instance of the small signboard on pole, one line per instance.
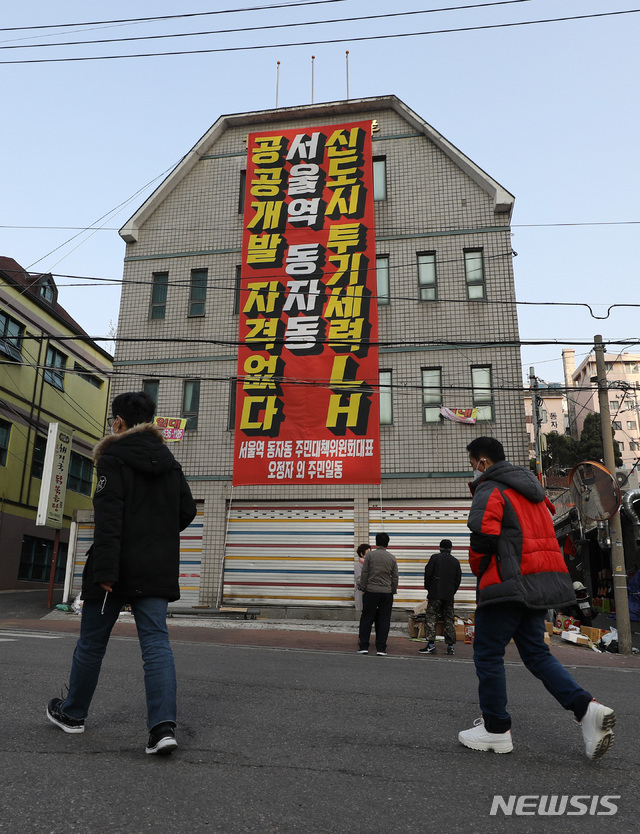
(54, 477)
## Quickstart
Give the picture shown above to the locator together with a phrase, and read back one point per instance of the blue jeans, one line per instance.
(150, 614)
(376, 608)
(495, 625)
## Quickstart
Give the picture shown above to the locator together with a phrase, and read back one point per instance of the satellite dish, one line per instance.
(595, 491)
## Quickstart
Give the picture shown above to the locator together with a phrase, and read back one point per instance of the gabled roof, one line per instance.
(502, 200)
(30, 283)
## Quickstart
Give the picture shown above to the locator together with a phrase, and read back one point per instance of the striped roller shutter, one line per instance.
(292, 554)
(191, 560)
(415, 530)
(190, 555)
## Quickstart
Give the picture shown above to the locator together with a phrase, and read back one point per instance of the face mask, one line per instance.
(477, 474)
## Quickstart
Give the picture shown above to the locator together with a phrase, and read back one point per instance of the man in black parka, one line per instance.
(442, 577)
(141, 503)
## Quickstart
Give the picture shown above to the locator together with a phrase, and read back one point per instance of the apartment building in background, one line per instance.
(553, 413)
(447, 344)
(623, 379)
(50, 372)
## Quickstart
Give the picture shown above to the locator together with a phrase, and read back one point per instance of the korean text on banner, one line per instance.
(307, 407)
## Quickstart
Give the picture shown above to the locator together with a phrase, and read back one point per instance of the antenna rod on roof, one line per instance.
(277, 83)
(313, 58)
(347, 68)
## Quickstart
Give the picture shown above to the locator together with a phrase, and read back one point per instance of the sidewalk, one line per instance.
(29, 613)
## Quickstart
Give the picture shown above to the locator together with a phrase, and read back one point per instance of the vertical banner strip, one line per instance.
(307, 407)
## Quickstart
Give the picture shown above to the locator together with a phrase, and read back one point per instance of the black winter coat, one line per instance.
(442, 576)
(141, 503)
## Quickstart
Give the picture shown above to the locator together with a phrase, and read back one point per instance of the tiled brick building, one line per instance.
(448, 333)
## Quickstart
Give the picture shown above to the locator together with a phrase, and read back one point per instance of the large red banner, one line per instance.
(307, 407)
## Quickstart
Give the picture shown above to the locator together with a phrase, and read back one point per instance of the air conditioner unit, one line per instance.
(627, 480)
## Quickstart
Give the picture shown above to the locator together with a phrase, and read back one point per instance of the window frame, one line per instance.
(5, 440)
(233, 394)
(480, 400)
(470, 284)
(196, 288)
(241, 190)
(54, 371)
(382, 264)
(385, 396)
(11, 344)
(237, 290)
(379, 180)
(81, 481)
(152, 388)
(192, 414)
(432, 285)
(159, 281)
(432, 393)
(37, 456)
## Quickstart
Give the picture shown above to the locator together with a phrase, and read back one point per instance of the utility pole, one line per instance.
(618, 569)
(533, 384)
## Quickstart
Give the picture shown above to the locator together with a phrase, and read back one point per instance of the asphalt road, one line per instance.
(294, 740)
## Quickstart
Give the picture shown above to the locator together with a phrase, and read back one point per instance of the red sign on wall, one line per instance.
(307, 407)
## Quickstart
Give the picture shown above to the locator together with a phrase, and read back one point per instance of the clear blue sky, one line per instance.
(549, 110)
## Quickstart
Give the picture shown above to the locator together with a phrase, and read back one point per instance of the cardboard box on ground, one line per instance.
(417, 627)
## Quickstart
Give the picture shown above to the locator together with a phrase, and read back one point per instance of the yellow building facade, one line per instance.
(50, 372)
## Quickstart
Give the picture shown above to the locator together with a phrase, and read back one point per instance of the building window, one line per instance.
(386, 401)
(54, 372)
(36, 558)
(83, 373)
(237, 290)
(474, 273)
(5, 434)
(80, 477)
(482, 392)
(37, 462)
(198, 294)
(617, 425)
(427, 285)
(633, 447)
(614, 405)
(191, 403)
(243, 183)
(431, 394)
(233, 393)
(620, 445)
(159, 295)
(151, 387)
(11, 333)
(631, 425)
(382, 278)
(379, 178)
(46, 291)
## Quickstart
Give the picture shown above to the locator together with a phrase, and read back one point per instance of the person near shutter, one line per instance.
(521, 573)
(379, 582)
(442, 577)
(141, 503)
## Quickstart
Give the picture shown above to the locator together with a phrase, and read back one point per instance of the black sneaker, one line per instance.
(450, 650)
(430, 648)
(162, 739)
(57, 717)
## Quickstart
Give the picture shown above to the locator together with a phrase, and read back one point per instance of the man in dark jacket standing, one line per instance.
(379, 582)
(521, 573)
(442, 577)
(141, 503)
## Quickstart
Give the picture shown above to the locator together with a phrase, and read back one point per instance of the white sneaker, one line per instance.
(477, 738)
(597, 729)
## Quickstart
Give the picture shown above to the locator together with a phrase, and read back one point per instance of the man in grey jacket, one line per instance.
(379, 582)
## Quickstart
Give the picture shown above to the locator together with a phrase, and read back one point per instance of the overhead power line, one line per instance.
(169, 16)
(264, 27)
(316, 43)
